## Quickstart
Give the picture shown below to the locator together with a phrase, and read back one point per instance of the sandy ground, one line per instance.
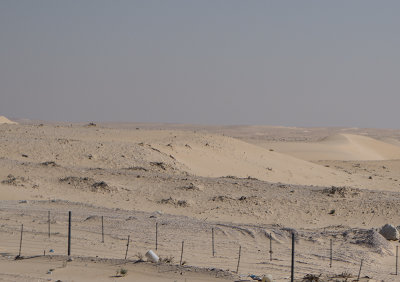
(253, 185)
(4, 120)
(91, 269)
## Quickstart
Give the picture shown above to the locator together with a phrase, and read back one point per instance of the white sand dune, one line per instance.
(218, 156)
(200, 154)
(344, 147)
(5, 120)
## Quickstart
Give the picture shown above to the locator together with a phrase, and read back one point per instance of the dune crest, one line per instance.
(344, 147)
(4, 120)
(219, 156)
(367, 148)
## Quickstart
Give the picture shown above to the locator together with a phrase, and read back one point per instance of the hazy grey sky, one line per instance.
(300, 63)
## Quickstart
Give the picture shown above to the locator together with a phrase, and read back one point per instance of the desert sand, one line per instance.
(4, 120)
(343, 147)
(253, 185)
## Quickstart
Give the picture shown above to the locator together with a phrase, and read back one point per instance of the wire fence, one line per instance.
(263, 249)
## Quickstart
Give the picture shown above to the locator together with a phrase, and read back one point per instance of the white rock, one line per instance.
(267, 278)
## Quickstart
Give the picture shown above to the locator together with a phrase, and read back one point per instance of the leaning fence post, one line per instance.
(359, 273)
(48, 219)
(240, 250)
(330, 255)
(20, 241)
(270, 246)
(69, 233)
(397, 257)
(180, 263)
(292, 267)
(102, 230)
(156, 235)
(212, 237)
(127, 247)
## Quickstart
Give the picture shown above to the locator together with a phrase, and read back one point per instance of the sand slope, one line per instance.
(219, 156)
(199, 154)
(344, 147)
(392, 141)
(5, 120)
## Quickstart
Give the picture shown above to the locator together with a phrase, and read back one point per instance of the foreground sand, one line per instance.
(249, 184)
(91, 269)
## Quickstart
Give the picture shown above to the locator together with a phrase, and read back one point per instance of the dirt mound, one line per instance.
(371, 238)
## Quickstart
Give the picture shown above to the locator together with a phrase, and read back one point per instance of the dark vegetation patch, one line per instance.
(14, 180)
(221, 198)
(49, 163)
(86, 183)
(341, 191)
(176, 203)
(137, 168)
(161, 165)
(190, 187)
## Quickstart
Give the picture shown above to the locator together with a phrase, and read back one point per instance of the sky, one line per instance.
(287, 63)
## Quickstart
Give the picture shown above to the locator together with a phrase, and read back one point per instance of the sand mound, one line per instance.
(219, 156)
(374, 240)
(4, 120)
(344, 147)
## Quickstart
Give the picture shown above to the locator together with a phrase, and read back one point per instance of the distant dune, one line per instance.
(3, 120)
(217, 156)
(392, 141)
(345, 147)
